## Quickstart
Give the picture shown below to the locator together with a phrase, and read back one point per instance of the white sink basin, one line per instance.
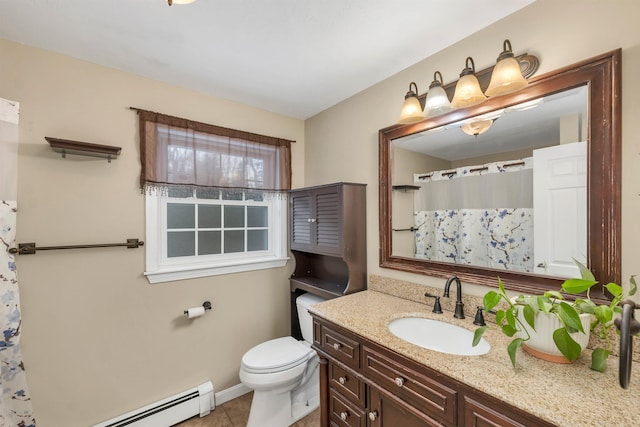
(438, 336)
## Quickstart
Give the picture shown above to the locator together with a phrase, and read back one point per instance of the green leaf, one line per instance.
(614, 289)
(585, 306)
(553, 294)
(577, 286)
(530, 316)
(500, 316)
(501, 286)
(509, 330)
(478, 334)
(567, 346)
(490, 300)
(599, 359)
(512, 348)
(511, 318)
(569, 316)
(603, 313)
(544, 304)
(585, 273)
(633, 287)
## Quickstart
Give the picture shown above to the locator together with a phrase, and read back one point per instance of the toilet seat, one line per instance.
(276, 355)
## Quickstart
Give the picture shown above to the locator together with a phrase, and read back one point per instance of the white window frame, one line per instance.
(160, 268)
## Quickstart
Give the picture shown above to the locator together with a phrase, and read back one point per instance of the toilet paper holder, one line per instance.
(206, 305)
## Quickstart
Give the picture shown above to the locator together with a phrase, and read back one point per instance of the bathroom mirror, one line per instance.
(503, 232)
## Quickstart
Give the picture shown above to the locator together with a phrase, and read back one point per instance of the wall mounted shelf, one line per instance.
(406, 188)
(66, 146)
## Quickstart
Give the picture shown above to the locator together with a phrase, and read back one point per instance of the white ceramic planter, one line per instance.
(541, 342)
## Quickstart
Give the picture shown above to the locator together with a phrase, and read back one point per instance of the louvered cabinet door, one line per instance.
(328, 220)
(302, 231)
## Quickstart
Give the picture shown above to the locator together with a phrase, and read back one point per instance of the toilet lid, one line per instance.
(276, 355)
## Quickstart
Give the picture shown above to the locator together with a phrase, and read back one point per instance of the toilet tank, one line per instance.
(304, 318)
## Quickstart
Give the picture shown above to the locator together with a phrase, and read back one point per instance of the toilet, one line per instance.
(283, 373)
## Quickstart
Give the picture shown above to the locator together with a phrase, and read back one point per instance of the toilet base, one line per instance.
(269, 409)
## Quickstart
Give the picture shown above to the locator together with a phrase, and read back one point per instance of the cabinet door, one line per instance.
(316, 220)
(479, 412)
(328, 220)
(384, 411)
(300, 218)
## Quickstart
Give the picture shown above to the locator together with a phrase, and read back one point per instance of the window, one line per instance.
(214, 201)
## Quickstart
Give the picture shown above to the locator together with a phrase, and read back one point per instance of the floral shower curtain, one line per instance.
(478, 215)
(15, 401)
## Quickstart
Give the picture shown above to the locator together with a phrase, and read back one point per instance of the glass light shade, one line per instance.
(468, 92)
(476, 127)
(411, 109)
(506, 78)
(437, 102)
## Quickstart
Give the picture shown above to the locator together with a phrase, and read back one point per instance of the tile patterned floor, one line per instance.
(235, 413)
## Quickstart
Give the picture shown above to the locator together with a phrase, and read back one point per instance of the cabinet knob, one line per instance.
(336, 346)
(373, 415)
(342, 380)
(399, 381)
(344, 416)
(313, 219)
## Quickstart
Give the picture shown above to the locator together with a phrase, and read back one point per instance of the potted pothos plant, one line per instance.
(522, 314)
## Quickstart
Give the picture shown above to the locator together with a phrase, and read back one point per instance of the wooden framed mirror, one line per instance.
(599, 80)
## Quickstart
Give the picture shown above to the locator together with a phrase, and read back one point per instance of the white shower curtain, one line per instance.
(478, 215)
(15, 401)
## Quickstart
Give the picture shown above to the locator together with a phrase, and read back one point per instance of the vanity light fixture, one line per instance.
(507, 75)
(172, 2)
(411, 109)
(437, 101)
(468, 92)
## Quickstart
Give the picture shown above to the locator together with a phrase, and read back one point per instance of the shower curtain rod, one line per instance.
(30, 248)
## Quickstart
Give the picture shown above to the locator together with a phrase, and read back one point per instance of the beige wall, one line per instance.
(99, 340)
(342, 142)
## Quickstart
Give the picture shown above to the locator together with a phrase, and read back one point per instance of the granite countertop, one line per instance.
(535, 386)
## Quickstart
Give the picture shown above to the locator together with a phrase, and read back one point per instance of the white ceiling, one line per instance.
(294, 57)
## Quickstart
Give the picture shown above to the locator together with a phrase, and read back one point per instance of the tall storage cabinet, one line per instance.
(327, 229)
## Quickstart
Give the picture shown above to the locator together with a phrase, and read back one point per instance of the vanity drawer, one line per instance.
(344, 413)
(400, 378)
(347, 384)
(343, 348)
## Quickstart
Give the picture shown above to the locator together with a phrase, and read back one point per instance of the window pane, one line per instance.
(209, 216)
(233, 241)
(257, 216)
(209, 242)
(180, 215)
(181, 243)
(233, 216)
(257, 240)
(255, 171)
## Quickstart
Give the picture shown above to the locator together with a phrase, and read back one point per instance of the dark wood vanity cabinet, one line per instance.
(327, 237)
(365, 384)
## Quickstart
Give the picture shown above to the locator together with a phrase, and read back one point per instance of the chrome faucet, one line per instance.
(459, 311)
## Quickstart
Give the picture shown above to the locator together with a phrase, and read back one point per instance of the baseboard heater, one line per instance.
(167, 412)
